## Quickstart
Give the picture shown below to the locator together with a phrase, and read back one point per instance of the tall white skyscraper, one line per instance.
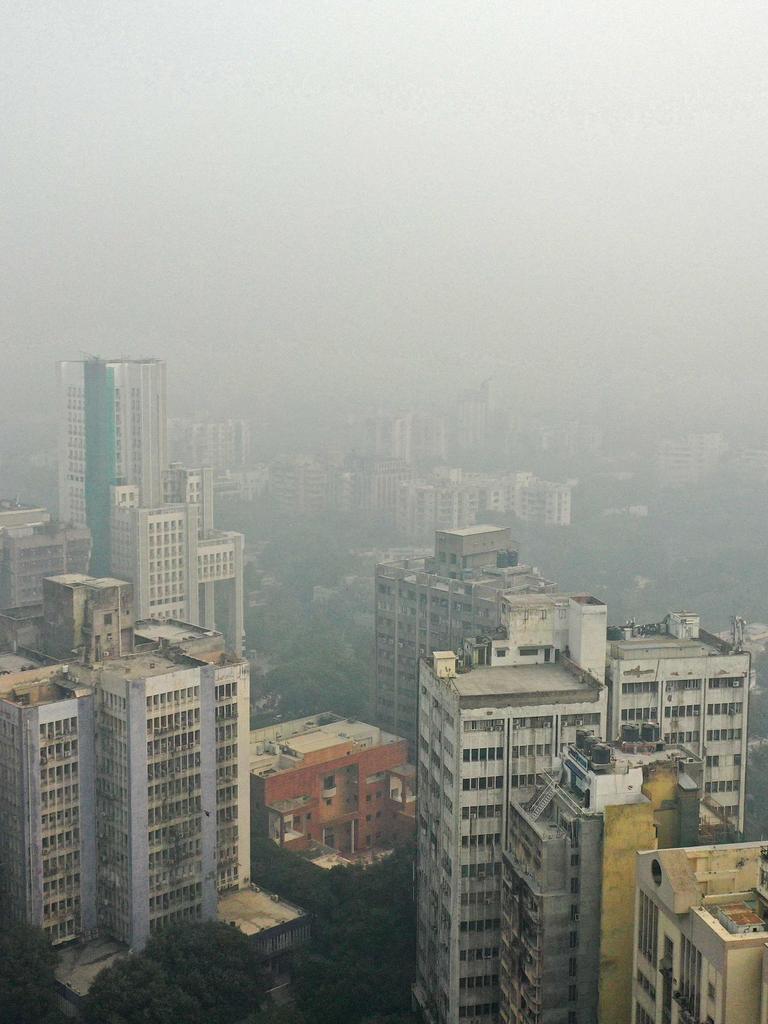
(112, 430)
(150, 523)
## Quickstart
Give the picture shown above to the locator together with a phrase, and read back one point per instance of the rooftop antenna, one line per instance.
(738, 626)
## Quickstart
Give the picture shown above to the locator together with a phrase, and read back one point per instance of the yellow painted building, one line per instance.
(701, 934)
(568, 879)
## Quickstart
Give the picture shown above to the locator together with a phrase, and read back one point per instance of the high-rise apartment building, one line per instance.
(181, 567)
(112, 430)
(423, 506)
(47, 799)
(152, 524)
(125, 801)
(219, 444)
(491, 726)
(428, 604)
(539, 501)
(687, 460)
(411, 437)
(568, 877)
(29, 553)
(701, 934)
(695, 687)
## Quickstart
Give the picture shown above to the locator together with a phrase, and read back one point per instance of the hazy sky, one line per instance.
(289, 201)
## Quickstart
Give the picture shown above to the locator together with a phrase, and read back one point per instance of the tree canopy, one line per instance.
(360, 962)
(27, 984)
(201, 973)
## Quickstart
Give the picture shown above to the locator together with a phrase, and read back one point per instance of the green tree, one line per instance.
(208, 973)
(27, 983)
(138, 991)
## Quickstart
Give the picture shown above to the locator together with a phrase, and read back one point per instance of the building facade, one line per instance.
(29, 553)
(491, 727)
(112, 430)
(344, 784)
(701, 934)
(220, 444)
(180, 566)
(568, 877)
(695, 687)
(427, 604)
(151, 523)
(47, 801)
(125, 803)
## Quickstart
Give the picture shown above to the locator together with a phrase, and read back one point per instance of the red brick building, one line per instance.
(341, 783)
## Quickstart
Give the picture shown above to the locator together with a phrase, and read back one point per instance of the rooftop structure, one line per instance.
(79, 964)
(254, 911)
(11, 664)
(523, 684)
(87, 618)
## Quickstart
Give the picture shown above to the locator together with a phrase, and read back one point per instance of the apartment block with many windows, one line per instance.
(125, 801)
(47, 821)
(428, 604)
(695, 687)
(491, 727)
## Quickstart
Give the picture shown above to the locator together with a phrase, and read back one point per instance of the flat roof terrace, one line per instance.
(253, 912)
(525, 684)
(11, 662)
(133, 666)
(172, 630)
(662, 645)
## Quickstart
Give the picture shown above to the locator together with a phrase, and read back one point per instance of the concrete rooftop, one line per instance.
(253, 912)
(172, 630)
(522, 680)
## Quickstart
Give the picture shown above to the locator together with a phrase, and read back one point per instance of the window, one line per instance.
(329, 782)
(648, 929)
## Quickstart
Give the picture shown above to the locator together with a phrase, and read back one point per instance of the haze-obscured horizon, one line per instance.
(311, 207)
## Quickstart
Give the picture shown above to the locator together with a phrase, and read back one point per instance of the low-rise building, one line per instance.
(276, 926)
(342, 783)
(701, 936)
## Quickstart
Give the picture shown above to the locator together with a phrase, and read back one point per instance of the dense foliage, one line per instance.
(360, 963)
(27, 992)
(206, 973)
